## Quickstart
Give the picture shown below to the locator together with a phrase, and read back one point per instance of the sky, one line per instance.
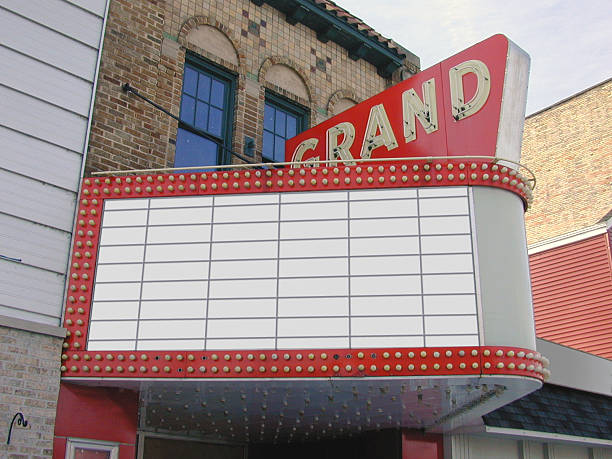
(569, 41)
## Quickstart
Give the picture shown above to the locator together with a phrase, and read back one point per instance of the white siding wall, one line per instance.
(481, 447)
(49, 50)
(601, 453)
(568, 452)
(495, 447)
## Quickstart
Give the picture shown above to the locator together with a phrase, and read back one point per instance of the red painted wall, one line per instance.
(572, 295)
(417, 445)
(97, 413)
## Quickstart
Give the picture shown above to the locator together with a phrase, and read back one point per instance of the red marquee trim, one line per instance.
(314, 363)
(400, 174)
(388, 174)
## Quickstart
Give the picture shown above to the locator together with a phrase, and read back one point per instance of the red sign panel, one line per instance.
(472, 103)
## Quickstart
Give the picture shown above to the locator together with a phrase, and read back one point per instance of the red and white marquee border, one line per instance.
(304, 363)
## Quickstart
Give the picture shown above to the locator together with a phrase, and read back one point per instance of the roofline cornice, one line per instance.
(344, 29)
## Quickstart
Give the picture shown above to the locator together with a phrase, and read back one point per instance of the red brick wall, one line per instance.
(126, 133)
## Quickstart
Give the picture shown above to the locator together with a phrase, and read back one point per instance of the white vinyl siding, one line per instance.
(36, 201)
(93, 6)
(47, 45)
(34, 117)
(60, 15)
(49, 51)
(487, 446)
(37, 159)
(35, 244)
(26, 289)
(46, 83)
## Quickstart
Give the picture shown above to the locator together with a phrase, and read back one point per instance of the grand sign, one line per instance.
(470, 104)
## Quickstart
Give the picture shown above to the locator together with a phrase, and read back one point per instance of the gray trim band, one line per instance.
(33, 327)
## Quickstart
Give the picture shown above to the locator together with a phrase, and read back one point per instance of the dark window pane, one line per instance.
(190, 80)
(279, 148)
(201, 116)
(204, 87)
(269, 117)
(279, 126)
(187, 109)
(193, 150)
(291, 126)
(215, 121)
(280, 123)
(268, 145)
(217, 94)
(204, 106)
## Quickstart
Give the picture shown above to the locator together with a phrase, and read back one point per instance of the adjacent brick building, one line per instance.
(568, 146)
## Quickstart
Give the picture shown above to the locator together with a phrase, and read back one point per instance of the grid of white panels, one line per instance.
(333, 269)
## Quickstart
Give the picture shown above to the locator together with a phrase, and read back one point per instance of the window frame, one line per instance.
(201, 65)
(97, 445)
(291, 107)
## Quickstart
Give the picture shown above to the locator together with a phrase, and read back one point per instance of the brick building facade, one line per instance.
(568, 146)
(29, 378)
(265, 52)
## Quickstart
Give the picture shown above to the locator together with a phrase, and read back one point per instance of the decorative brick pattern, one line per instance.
(145, 46)
(29, 383)
(569, 148)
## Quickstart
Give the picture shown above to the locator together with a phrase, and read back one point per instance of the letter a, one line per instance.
(377, 121)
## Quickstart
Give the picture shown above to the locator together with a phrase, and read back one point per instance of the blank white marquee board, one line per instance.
(324, 269)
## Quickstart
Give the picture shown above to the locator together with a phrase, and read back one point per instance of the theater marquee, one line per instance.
(470, 104)
(381, 280)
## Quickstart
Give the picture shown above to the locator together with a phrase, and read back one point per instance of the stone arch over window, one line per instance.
(212, 40)
(341, 100)
(284, 77)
